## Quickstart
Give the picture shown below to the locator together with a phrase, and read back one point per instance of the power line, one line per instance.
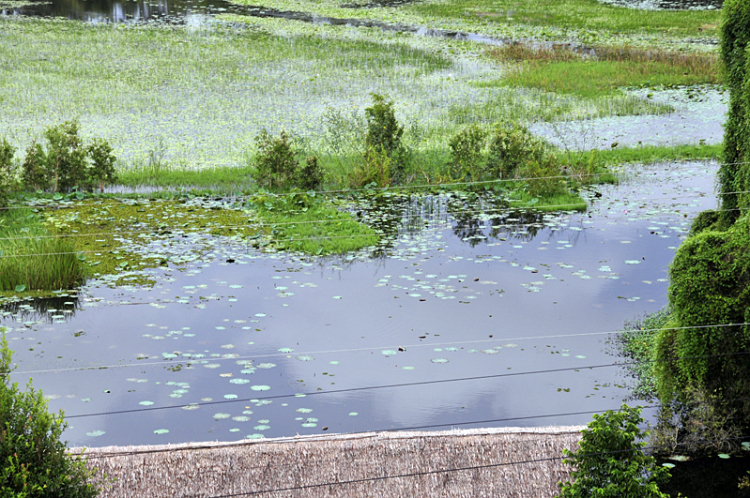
(405, 384)
(408, 346)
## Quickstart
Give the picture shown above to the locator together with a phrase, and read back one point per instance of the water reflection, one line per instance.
(105, 11)
(56, 309)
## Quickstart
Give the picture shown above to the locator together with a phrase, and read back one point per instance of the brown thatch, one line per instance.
(398, 464)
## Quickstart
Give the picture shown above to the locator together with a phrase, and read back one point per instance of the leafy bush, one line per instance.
(276, 160)
(7, 171)
(102, 170)
(710, 284)
(610, 463)
(735, 37)
(467, 157)
(384, 138)
(311, 174)
(34, 460)
(65, 163)
(375, 170)
(512, 148)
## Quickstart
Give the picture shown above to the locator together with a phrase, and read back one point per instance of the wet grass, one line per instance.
(603, 74)
(310, 225)
(587, 20)
(584, 15)
(30, 261)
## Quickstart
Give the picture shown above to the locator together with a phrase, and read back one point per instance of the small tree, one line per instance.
(66, 156)
(384, 135)
(610, 463)
(34, 460)
(466, 153)
(102, 168)
(276, 160)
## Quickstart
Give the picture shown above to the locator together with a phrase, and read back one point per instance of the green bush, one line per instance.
(102, 170)
(64, 163)
(513, 147)
(384, 137)
(311, 174)
(735, 37)
(34, 460)
(8, 168)
(710, 284)
(376, 170)
(609, 461)
(467, 153)
(276, 161)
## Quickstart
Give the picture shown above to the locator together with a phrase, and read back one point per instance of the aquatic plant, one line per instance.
(36, 462)
(610, 460)
(31, 260)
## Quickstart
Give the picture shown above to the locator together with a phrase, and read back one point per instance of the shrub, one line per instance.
(735, 37)
(311, 174)
(34, 460)
(467, 158)
(384, 137)
(7, 171)
(65, 163)
(375, 170)
(276, 161)
(710, 284)
(512, 147)
(610, 463)
(102, 170)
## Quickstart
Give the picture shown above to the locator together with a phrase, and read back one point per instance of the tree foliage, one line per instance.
(35, 462)
(610, 461)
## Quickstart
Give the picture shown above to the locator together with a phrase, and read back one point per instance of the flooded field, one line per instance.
(469, 316)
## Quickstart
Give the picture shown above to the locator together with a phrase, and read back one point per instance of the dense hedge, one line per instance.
(735, 36)
(710, 275)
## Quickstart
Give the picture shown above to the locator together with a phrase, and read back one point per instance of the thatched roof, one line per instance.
(303, 466)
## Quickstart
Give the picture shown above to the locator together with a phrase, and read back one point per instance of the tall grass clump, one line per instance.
(32, 260)
(35, 462)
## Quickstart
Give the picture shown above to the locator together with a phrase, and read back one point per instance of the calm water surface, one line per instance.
(277, 345)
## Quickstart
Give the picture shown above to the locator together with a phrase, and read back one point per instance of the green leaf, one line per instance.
(20, 287)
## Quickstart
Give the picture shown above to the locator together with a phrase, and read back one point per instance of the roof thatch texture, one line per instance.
(373, 465)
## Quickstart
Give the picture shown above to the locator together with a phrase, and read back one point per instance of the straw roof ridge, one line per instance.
(513, 462)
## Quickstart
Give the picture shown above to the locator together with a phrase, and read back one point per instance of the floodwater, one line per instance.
(467, 318)
(698, 117)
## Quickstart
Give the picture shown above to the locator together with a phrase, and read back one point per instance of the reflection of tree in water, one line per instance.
(41, 309)
(474, 212)
(111, 10)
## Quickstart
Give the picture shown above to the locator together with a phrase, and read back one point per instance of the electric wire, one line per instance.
(398, 385)
(371, 348)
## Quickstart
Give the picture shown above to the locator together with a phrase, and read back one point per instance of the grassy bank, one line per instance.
(33, 262)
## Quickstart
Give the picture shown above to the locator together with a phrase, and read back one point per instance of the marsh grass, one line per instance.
(30, 260)
(311, 225)
(605, 70)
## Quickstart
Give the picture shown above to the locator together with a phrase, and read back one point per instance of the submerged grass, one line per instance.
(33, 262)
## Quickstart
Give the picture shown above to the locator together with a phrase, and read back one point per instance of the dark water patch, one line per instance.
(105, 11)
(708, 477)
